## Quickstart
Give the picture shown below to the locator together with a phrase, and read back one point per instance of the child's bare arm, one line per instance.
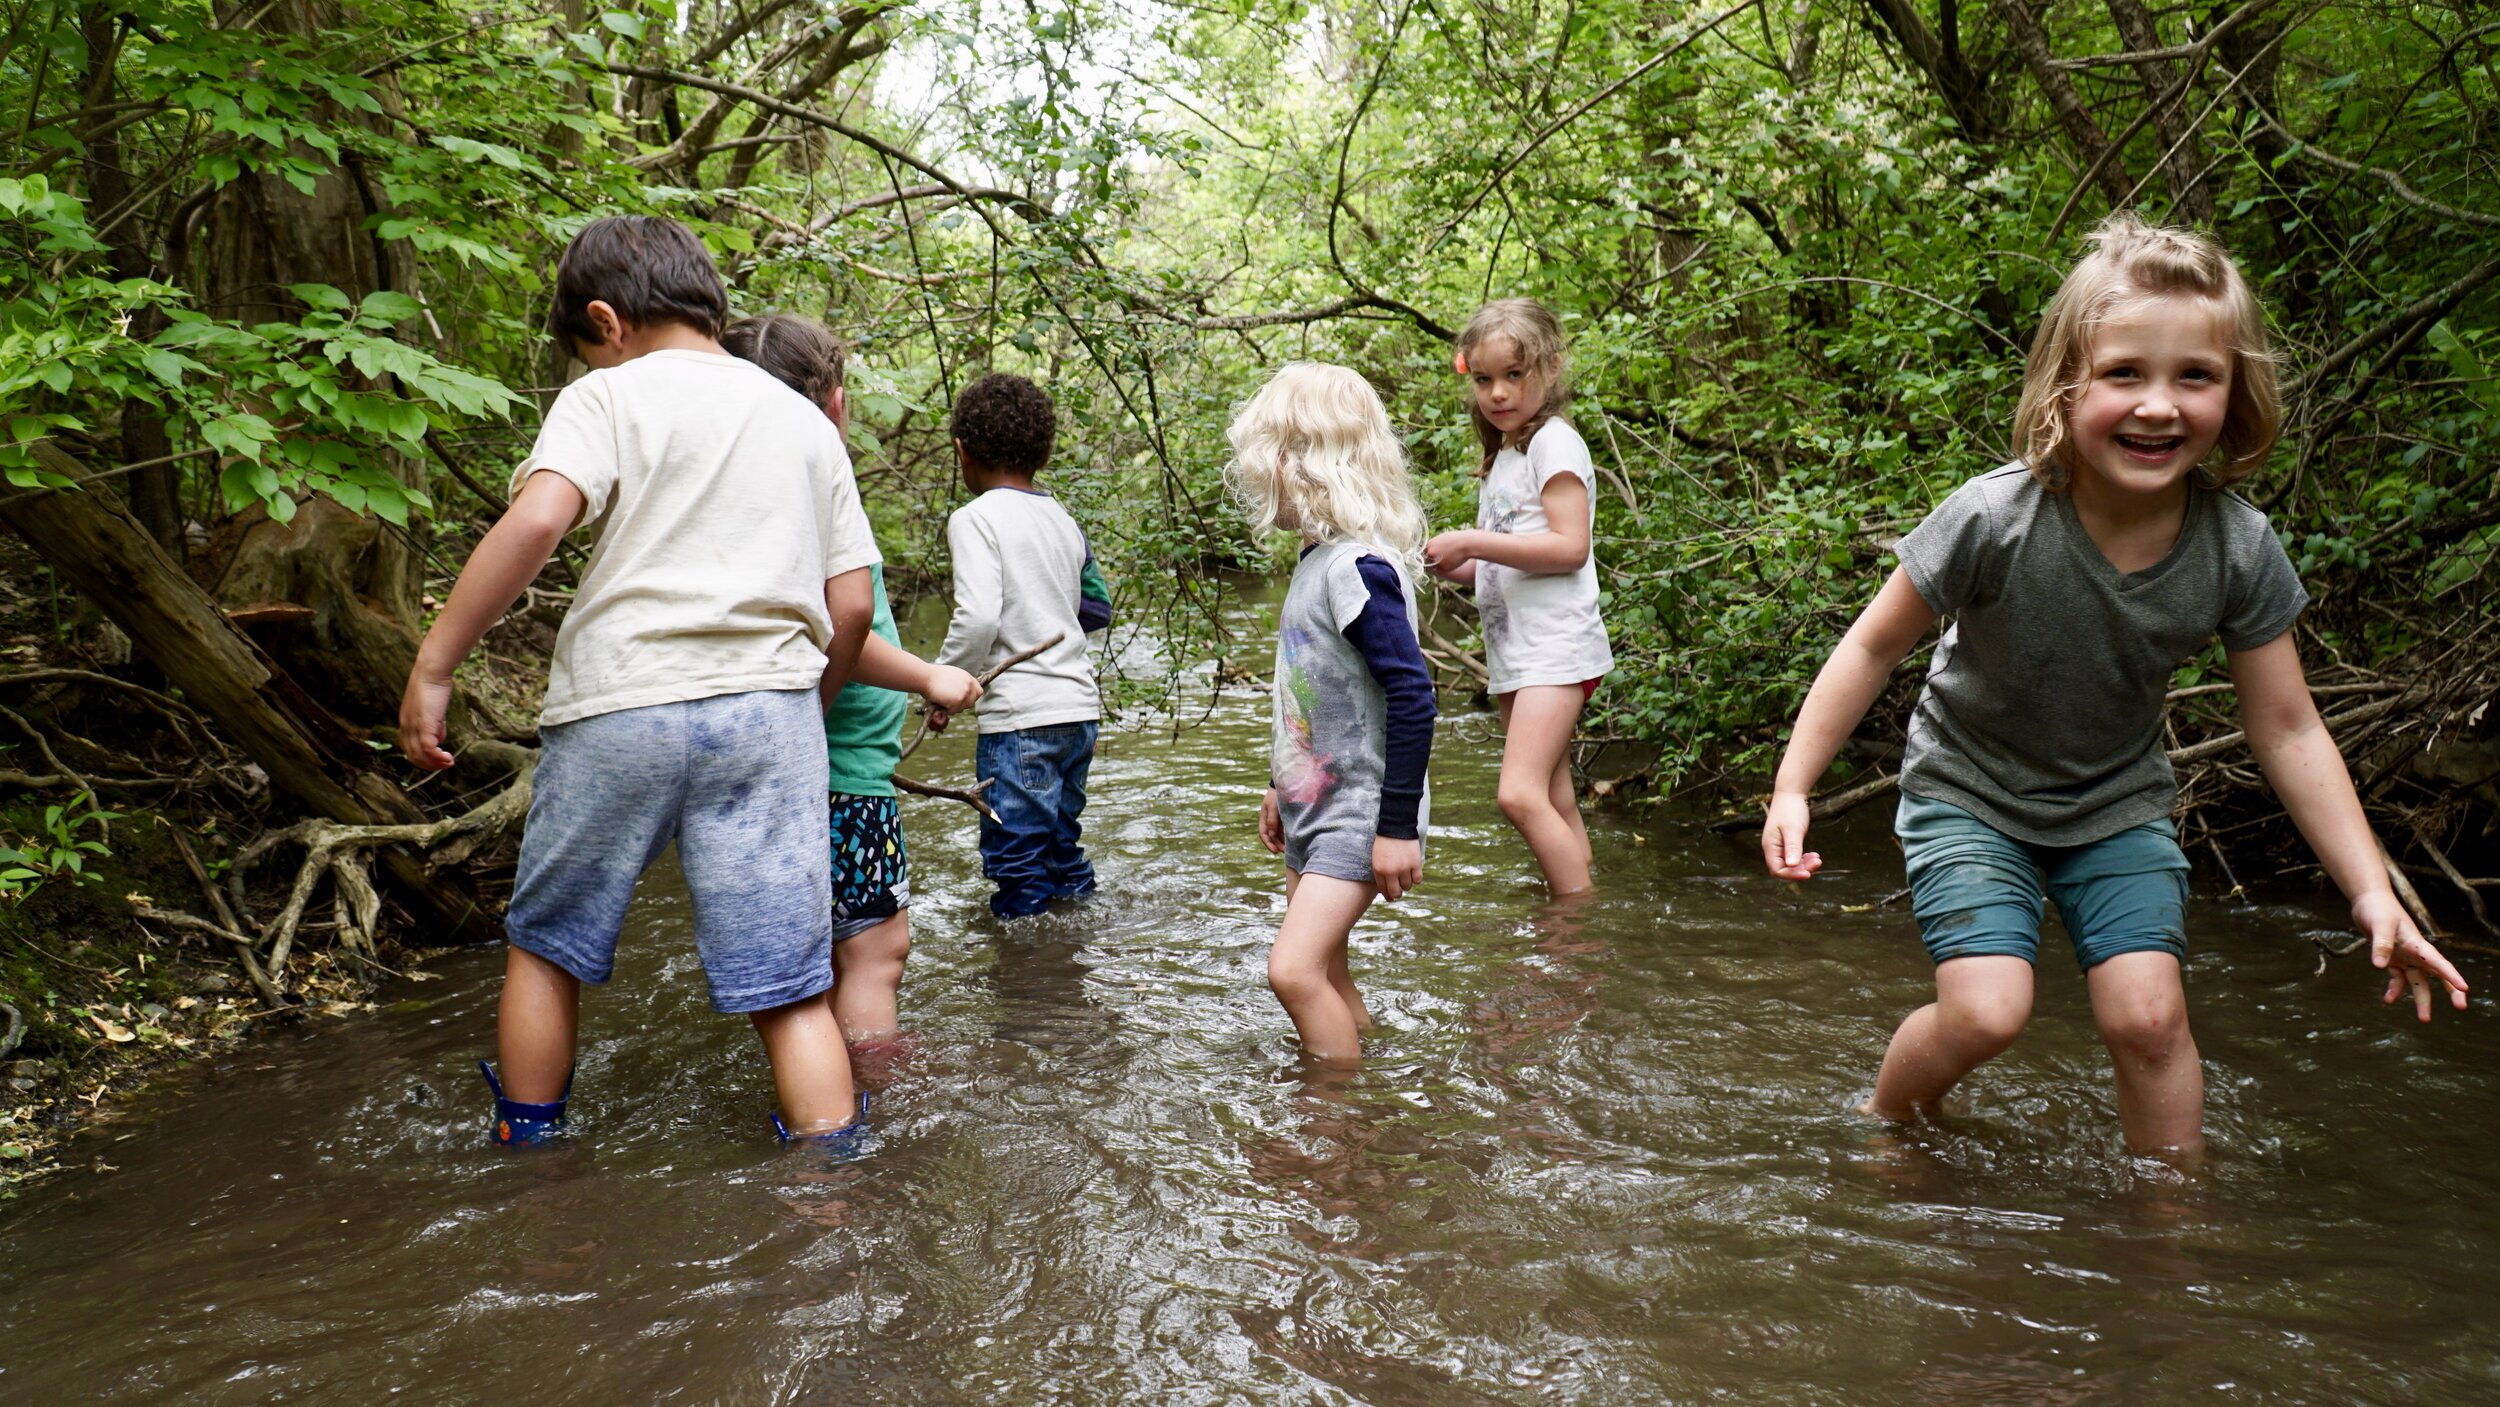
(888, 666)
(1883, 635)
(2307, 771)
(511, 553)
(1562, 547)
(851, 599)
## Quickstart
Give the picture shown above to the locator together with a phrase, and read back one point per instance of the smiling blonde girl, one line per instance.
(1535, 576)
(2077, 579)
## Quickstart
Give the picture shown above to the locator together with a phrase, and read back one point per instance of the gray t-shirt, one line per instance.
(1331, 741)
(2042, 713)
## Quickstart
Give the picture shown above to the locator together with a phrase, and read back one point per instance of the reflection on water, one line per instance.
(1599, 1153)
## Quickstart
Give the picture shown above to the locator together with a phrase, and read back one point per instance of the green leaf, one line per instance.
(502, 156)
(386, 306)
(322, 296)
(631, 26)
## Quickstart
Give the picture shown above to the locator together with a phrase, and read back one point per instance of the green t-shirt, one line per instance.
(864, 728)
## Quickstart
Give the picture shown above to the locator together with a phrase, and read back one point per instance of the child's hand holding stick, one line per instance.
(940, 711)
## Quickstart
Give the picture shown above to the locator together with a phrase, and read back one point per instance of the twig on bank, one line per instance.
(2473, 896)
(2407, 895)
(175, 918)
(1833, 804)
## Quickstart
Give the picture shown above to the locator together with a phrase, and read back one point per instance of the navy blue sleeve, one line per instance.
(1386, 641)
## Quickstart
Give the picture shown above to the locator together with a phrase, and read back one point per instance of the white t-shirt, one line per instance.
(722, 502)
(1019, 564)
(1539, 627)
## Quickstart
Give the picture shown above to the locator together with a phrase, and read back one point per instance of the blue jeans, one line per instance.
(1037, 786)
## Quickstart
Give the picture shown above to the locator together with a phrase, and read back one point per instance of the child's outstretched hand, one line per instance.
(2411, 962)
(1396, 865)
(421, 711)
(1784, 849)
(939, 718)
(950, 691)
(1448, 558)
(1271, 825)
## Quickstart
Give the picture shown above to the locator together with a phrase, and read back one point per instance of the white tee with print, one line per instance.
(1539, 627)
(721, 502)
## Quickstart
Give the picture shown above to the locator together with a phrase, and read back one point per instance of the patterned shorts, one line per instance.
(871, 874)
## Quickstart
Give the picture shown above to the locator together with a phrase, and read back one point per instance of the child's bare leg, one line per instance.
(811, 1068)
(2141, 1008)
(1981, 1005)
(1537, 725)
(536, 1025)
(868, 979)
(1339, 975)
(1342, 978)
(1320, 911)
(1566, 795)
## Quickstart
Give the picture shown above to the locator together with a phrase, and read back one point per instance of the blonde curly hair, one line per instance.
(1314, 454)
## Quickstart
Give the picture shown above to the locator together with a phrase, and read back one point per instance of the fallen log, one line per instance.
(91, 540)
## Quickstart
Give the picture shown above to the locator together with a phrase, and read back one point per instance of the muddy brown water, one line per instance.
(1603, 1155)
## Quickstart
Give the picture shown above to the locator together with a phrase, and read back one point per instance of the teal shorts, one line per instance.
(1977, 891)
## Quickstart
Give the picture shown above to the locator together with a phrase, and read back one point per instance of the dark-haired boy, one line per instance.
(728, 582)
(1023, 574)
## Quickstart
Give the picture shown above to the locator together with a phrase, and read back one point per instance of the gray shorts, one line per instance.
(1344, 853)
(738, 782)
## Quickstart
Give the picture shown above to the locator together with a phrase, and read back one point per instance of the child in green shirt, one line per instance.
(863, 730)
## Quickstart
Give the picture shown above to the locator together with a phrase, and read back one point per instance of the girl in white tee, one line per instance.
(1529, 560)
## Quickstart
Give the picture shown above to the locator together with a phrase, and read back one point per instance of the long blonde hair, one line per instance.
(1314, 453)
(1537, 336)
(2132, 263)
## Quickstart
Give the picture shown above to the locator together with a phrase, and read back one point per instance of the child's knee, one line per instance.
(1294, 978)
(1525, 799)
(2145, 1028)
(1985, 1023)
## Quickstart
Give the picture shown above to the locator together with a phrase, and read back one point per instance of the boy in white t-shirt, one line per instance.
(728, 585)
(1024, 575)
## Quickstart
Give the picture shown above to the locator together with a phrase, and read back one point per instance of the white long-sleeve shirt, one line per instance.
(1019, 560)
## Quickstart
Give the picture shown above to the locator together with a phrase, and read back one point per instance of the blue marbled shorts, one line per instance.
(738, 782)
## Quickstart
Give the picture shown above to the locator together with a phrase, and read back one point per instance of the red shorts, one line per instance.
(1588, 690)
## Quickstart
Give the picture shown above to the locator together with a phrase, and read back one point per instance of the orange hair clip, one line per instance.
(1458, 362)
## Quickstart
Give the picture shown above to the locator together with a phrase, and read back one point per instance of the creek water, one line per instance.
(1600, 1155)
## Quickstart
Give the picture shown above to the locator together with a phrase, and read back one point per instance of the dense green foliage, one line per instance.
(1799, 247)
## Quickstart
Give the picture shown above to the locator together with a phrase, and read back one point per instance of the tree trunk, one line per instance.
(361, 578)
(155, 493)
(2183, 156)
(95, 543)
(2090, 141)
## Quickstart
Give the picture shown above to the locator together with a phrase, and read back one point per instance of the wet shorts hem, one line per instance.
(766, 998)
(851, 926)
(568, 956)
(1342, 855)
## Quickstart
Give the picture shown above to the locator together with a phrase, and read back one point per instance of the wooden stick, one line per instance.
(971, 798)
(1834, 804)
(984, 681)
(2473, 896)
(2407, 895)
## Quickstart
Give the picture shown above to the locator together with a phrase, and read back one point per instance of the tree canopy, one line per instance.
(258, 252)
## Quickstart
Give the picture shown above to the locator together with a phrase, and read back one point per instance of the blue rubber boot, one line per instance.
(518, 1125)
(848, 1141)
